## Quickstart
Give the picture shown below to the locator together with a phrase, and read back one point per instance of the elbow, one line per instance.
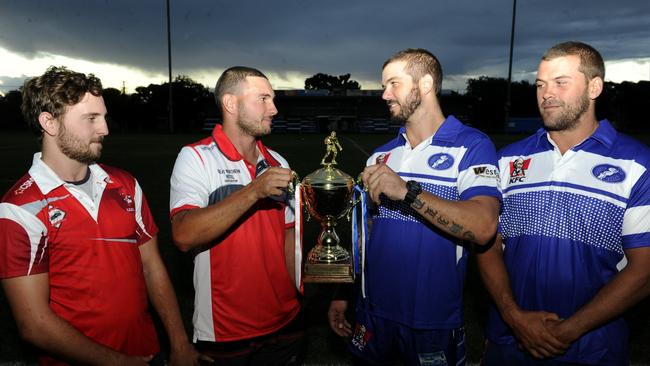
(182, 241)
(486, 234)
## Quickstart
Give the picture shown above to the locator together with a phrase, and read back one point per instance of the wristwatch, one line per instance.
(414, 189)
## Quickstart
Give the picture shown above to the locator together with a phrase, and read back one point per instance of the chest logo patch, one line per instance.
(382, 158)
(55, 216)
(440, 161)
(518, 169)
(608, 173)
(127, 202)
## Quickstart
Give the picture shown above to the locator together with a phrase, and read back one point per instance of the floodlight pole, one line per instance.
(170, 104)
(512, 42)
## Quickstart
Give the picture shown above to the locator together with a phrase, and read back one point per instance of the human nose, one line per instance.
(386, 95)
(102, 127)
(272, 109)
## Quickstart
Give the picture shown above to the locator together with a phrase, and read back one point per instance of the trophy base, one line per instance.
(328, 273)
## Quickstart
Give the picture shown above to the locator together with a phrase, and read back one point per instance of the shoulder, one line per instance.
(279, 158)
(23, 191)
(390, 145)
(526, 146)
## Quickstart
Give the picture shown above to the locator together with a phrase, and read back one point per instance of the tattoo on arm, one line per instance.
(468, 235)
(431, 212)
(417, 204)
(452, 227)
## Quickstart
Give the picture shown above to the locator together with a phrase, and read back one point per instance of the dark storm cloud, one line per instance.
(336, 37)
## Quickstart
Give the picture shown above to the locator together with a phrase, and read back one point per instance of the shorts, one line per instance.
(283, 347)
(510, 354)
(378, 341)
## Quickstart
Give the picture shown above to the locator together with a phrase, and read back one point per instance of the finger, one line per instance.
(207, 358)
(146, 358)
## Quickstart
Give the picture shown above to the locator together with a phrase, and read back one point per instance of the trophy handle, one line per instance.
(293, 183)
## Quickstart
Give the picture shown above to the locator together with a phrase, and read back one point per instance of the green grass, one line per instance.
(151, 157)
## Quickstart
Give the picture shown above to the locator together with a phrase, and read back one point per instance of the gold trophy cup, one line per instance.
(327, 195)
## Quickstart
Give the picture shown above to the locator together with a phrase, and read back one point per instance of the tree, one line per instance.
(329, 82)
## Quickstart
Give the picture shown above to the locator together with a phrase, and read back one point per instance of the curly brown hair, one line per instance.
(53, 91)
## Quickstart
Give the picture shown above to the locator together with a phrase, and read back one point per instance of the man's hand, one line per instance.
(186, 355)
(336, 316)
(272, 182)
(379, 178)
(532, 331)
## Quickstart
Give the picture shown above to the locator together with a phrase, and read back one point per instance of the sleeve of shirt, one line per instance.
(189, 187)
(23, 243)
(478, 174)
(147, 228)
(636, 225)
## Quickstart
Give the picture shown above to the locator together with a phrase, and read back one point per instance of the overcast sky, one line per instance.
(125, 40)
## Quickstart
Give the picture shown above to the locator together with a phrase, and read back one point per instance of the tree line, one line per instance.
(482, 104)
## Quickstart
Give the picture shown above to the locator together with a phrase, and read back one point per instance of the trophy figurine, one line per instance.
(327, 195)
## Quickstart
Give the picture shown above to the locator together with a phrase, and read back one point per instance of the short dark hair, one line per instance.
(53, 91)
(231, 79)
(591, 62)
(419, 62)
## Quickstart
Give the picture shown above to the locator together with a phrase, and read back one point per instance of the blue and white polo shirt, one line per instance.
(415, 273)
(566, 222)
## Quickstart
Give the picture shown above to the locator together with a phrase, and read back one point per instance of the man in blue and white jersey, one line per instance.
(435, 186)
(573, 250)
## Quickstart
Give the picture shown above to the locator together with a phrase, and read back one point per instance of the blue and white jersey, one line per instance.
(566, 221)
(415, 273)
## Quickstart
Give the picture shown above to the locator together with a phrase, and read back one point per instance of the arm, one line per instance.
(289, 253)
(162, 296)
(28, 297)
(201, 226)
(474, 220)
(530, 327)
(624, 290)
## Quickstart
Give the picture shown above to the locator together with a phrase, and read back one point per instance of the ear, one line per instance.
(229, 103)
(595, 86)
(426, 84)
(49, 124)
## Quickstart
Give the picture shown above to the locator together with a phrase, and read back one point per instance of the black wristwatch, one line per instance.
(414, 189)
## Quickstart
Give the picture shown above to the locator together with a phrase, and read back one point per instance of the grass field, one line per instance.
(151, 157)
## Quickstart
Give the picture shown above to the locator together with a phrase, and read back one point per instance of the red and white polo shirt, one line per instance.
(90, 248)
(243, 288)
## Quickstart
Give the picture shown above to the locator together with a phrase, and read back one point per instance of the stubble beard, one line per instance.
(250, 126)
(411, 103)
(569, 117)
(74, 149)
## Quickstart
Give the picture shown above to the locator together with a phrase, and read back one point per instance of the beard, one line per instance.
(74, 149)
(252, 126)
(568, 117)
(406, 110)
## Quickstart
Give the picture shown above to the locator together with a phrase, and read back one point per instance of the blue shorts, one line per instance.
(509, 354)
(379, 341)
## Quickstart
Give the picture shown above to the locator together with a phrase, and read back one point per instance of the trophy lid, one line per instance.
(328, 176)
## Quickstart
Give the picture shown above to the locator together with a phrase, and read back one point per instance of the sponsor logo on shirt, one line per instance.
(518, 169)
(228, 171)
(486, 171)
(440, 161)
(608, 173)
(436, 358)
(361, 336)
(26, 184)
(127, 202)
(382, 158)
(56, 216)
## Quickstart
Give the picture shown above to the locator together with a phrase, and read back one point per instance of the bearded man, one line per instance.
(435, 190)
(573, 250)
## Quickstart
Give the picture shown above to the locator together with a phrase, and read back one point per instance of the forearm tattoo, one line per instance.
(453, 227)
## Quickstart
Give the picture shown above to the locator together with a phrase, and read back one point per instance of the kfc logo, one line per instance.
(361, 337)
(518, 169)
(382, 158)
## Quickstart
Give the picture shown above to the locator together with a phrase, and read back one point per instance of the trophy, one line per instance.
(327, 194)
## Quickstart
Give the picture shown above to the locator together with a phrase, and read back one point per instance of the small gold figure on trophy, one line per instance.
(333, 148)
